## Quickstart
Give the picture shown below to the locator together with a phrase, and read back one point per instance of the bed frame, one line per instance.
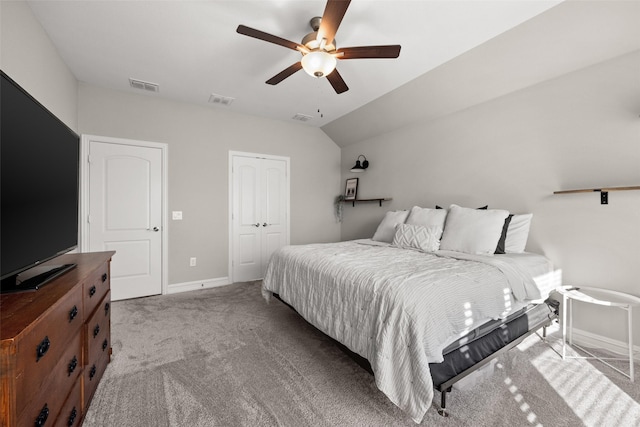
(502, 337)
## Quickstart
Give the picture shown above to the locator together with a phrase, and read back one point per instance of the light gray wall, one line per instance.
(199, 141)
(28, 57)
(580, 130)
(556, 42)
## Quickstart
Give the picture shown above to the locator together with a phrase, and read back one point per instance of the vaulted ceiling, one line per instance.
(454, 54)
(191, 48)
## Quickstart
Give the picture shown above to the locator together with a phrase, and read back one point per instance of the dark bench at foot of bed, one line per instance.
(463, 360)
(478, 348)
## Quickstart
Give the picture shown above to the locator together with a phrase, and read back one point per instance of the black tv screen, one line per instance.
(39, 158)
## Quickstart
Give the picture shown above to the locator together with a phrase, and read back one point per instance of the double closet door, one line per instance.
(260, 213)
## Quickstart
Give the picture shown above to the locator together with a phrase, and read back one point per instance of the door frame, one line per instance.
(287, 161)
(83, 237)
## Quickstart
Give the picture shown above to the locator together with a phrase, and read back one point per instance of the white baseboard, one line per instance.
(588, 339)
(198, 284)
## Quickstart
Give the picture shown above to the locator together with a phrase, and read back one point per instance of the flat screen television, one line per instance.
(39, 180)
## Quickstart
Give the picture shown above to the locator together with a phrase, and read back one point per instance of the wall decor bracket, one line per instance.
(604, 192)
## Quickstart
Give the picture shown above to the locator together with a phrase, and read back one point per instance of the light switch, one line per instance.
(176, 215)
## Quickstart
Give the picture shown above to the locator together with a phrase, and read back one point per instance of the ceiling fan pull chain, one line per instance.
(319, 98)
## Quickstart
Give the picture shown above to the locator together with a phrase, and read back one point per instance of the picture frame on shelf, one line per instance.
(351, 189)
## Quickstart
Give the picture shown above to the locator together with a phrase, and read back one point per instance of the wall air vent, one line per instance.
(221, 100)
(302, 117)
(139, 84)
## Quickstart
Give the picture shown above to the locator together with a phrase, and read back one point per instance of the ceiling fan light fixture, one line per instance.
(318, 63)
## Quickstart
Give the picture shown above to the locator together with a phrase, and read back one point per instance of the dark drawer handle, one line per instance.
(92, 372)
(107, 306)
(73, 313)
(42, 349)
(73, 365)
(96, 331)
(104, 277)
(42, 418)
(105, 344)
(72, 417)
(92, 291)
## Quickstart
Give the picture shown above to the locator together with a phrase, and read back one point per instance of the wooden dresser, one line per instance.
(55, 345)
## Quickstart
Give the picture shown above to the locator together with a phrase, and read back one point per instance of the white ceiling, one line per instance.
(191, 48)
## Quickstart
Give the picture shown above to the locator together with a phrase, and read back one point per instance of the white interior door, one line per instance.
(125, 215)
(259, 213)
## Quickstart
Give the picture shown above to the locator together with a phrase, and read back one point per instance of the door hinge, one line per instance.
(89, 159)
(89, 219)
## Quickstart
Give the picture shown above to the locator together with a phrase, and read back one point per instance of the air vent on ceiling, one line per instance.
(302, 117)
(139, 84)
(221, 100)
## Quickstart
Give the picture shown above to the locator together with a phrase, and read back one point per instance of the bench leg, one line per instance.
(443, 403)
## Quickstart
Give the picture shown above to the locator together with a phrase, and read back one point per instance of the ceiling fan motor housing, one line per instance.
(311, 42)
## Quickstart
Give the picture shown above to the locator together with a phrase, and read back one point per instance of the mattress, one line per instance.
(399, 308)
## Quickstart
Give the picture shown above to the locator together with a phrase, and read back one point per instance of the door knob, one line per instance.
(156, 229)
(265, 224)
(257, 224)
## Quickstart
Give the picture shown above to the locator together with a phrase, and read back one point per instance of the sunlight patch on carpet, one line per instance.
(531, 417)
(588, 392)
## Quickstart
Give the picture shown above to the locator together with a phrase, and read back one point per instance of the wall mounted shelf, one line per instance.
(604, 192)
(379, 200)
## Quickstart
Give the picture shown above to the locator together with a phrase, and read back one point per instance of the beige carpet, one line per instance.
(224, 357)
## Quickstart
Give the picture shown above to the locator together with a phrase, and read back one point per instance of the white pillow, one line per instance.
(425, 239)
(472, 231)
(427, 217)
(517, 233)
(387, 227)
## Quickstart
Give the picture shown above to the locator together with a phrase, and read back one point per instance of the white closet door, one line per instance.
(259, 214)
(247, 257)
(274, 209)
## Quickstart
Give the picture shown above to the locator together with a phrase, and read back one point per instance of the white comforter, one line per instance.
(398, 308)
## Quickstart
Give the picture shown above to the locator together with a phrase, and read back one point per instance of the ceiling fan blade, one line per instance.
(261, 35)
(337, 82)
(284, 74)
(389, 51)
(331, 18)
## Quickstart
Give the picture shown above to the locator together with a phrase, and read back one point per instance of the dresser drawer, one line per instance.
(98, 332)
(39, 352)
(95, 288)
(91, 377)
(46, 400)
(71, 412)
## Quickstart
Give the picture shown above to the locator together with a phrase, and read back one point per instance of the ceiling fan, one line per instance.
(318, 48)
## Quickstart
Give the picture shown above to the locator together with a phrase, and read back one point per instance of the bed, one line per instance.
(412, 314)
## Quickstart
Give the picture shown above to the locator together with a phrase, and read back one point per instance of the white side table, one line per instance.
(597, 296)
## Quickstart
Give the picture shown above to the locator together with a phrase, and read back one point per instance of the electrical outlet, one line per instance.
(192, 261)
(176, 215)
